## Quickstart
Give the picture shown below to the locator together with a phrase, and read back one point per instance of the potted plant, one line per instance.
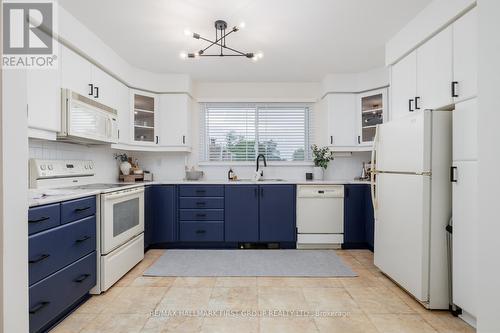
(321, 157)
(125, 165)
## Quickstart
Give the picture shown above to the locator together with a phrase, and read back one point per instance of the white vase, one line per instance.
(125, 168)
(318, 173)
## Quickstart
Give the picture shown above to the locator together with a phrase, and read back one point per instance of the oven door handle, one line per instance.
(123, 194)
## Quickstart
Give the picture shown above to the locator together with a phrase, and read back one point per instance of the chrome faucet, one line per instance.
(257, 164)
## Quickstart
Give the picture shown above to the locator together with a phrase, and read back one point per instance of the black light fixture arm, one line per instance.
(220, 40)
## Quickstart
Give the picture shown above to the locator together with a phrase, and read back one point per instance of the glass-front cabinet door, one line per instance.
(144, 117)
(372, 112)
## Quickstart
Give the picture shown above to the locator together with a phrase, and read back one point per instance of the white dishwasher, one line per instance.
(320, 216)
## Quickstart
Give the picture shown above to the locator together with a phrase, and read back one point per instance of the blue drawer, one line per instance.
(201, 214)
(201, 231)
(200, 203)
(77, 209)
(50, 297)
(43, 217)
(201, 190)
(53, 249)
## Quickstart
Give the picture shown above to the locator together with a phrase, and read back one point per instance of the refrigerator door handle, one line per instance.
(373, 171)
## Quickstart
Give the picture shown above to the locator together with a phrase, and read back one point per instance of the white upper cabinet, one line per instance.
(144, 120)
(465, 56)
(88, 80)
(106, 88)
(440, 72)
(435, 72)
(465, 131)
(372, 111)
(76, 73)
(341, 110)
(44, 98)
(404, 86)
(124, 118)
(175, 120)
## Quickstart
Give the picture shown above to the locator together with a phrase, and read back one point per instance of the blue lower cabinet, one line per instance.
(358, 217)
(164, 219)
(52, 296)
(44, 217)
(201, 214)
(354, 214)
(52, 249)
(148, 216)
(241, 213)
(193, 231)
(77, 209)
(369, 219)
(277, 213)
(201, 190)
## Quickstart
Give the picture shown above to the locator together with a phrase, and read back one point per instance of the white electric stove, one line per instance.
(120, 213)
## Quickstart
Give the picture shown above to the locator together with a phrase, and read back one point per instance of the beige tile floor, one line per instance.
(369, 303)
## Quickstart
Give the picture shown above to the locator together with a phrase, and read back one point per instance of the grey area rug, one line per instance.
(298, 263)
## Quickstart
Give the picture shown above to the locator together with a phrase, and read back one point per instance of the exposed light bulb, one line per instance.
(259, 55)
(183, 55)
(255, 58)
(241, 25)
(188, 32)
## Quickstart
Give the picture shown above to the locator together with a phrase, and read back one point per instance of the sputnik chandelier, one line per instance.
(219, 44)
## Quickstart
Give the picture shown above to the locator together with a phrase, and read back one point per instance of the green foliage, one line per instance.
(321, 156)
(122, 157)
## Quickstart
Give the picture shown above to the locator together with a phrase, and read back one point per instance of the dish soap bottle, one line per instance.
(230, 174)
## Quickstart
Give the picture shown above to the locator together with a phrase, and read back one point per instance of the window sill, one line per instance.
(252, 163)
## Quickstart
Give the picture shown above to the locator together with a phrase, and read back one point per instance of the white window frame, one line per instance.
(309, 132)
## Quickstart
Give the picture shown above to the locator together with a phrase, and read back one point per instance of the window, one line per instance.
(235, 132)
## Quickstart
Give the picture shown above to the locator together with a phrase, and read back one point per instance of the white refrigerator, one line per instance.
(412, 200)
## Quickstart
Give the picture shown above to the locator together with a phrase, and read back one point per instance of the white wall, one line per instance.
(14, 205)
(355, 82)
(256, 91)
(488, 320)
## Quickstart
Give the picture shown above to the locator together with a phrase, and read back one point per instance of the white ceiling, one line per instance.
(302, 40)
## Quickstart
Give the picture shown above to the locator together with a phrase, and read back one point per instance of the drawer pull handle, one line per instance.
(201, 203)
(38, 307)
(200, 191)
(41, 219)
(78, 210)
(201, 215)
(201, 231)
(82, 278)
(42, 257)
(83, 239)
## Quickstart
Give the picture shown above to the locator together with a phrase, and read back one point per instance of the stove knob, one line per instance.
(42, 167)
(50, 167)
(86, 166)
(91, 166)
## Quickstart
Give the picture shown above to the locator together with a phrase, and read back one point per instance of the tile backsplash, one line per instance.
(170, 166)
(106, 166)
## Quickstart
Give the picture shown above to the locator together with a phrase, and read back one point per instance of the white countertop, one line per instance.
(63, 194)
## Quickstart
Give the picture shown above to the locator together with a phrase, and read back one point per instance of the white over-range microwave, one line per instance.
(85, 120)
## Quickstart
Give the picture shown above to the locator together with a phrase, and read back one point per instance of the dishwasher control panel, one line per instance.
(320, 191)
